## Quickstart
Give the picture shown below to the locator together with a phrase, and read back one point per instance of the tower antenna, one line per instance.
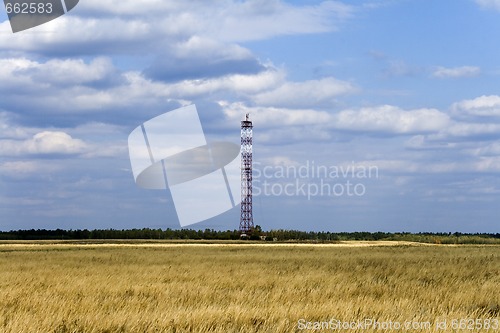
(246, 216)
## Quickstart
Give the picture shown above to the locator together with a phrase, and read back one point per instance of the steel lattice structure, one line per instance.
(246, 217)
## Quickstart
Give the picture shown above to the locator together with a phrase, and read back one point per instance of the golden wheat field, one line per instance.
(164, 287)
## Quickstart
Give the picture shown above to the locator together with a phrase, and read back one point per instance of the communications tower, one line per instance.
(246, 216)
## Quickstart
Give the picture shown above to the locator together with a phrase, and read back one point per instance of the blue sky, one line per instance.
(409, 87)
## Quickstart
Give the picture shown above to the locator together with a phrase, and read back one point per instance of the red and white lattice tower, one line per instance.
(246, 217)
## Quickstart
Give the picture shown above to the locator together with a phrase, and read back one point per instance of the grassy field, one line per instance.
(163, 287)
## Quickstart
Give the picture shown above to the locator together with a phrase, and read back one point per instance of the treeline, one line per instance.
(145, 233)
(272, 235)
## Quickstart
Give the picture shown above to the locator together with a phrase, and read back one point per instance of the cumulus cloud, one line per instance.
(22, 75)
(97, 27)
(278, 18)
(73, 87)
(43, 143)
(272, 117)
(31, 88)
(99, 71)
(200, 58)
(456, 72)
(235, 20)
(26, 74)
(382, 120)
(71, 35)
(470, 130)
(197, 58)
(483, 106)
(305, 94)
(391, 120)
(245, 86)
(459, 137)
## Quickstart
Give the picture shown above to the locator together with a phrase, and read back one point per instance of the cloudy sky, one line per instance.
(409, 88)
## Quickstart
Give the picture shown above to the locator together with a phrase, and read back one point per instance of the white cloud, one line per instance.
(46, 142)
(209, 48)
(466, 132)
(53, 83)
(490, 149)
(272, 117)
(262, 19)
(495, 4)
(458, 136)
(31, 76)
(390, 119)
(72, 71)
(466, 129)
(10, 77)
(235, 20)
(37, 87)
(95, 140)
(23, 169)
(277, 161)
(254, 84)
(75, 87)
(456, 72)
(135, 26)
(487, 164)
(305, 94)
(71, 34)
(133, 8)
(481, 106)
(287, 124)
(202, 57)
(294, 134)
(245, 85)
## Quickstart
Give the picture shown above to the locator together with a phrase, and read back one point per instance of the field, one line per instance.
(166, 287)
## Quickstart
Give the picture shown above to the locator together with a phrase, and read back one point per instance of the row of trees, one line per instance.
(272, 235)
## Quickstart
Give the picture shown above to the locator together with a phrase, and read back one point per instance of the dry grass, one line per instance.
(241, 288)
